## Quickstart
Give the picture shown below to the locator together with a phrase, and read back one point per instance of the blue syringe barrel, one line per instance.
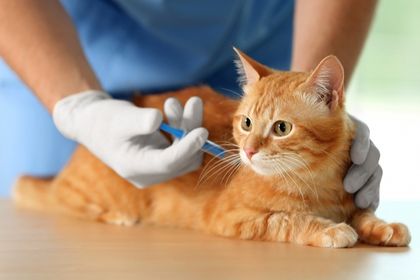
(208, 147)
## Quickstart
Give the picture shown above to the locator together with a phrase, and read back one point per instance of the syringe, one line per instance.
(208, 147)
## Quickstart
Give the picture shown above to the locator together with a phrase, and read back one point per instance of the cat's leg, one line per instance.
(373, 230)
(82, 207)
(96, 201)
(297, 228)
(33, 192)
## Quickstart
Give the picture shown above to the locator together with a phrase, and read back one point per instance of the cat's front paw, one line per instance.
(336, 236)
(119, 218)
(380, 233)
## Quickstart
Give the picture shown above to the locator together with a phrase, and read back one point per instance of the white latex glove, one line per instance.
(127, 139)
(364, 176)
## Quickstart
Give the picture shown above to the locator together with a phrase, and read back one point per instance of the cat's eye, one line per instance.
(282, 128)
(246, 123)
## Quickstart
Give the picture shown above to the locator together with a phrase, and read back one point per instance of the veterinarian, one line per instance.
(82, 58)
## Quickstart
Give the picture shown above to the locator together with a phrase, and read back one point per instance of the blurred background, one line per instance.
(385, 93)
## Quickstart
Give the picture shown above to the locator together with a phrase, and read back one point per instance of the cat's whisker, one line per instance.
(328, 154)
(208, 173)
(302, 159)
(232, 91)
(206, 167)
(230, 161)
(310, 187)
(227, 151)
(284, 172)
(230, 140)
(301, 162)
(280, 169)
(227, 170)
(228, 145)
(296, 184)
(307, 167)
(239, 165)
(279, 172)
(231, 171)
(216, 168)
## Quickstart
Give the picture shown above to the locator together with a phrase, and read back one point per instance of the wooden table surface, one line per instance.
(43, 246)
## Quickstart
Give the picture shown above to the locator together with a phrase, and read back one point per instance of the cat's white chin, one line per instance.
(258, 164)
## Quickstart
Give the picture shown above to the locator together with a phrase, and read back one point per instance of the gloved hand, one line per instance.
(364, 176)
(127, 139)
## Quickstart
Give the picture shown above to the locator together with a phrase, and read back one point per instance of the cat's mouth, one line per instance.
(261, 163)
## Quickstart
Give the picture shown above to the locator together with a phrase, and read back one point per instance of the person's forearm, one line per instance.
(39, 42)
(325, 27)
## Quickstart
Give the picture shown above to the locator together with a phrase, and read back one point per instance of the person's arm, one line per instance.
(39, 42)
(340, 27)
(325, 27)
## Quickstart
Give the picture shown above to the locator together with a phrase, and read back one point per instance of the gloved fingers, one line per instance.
(361, 143)
(358, 175)
(160, 176)
(375, 203)
(187, 147)
(193, 113)
(132, 121)
(173, 111)
(192, 165)
(137, 155)
(189, 165)
(368, 196)
(141, 142)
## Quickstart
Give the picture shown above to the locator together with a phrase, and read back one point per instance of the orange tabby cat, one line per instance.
(292, 138)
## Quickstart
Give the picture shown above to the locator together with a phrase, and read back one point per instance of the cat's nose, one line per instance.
(250, 152)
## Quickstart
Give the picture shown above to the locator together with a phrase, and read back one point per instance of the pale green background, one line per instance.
(385, 93)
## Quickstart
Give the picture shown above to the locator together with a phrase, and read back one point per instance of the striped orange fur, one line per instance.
(290, 191)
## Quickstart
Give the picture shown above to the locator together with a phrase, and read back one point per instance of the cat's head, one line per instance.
(289, 120)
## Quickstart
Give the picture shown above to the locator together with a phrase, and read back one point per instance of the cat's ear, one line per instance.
(327, 82)
(249, 70)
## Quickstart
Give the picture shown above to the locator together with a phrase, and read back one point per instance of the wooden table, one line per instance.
(42, 246)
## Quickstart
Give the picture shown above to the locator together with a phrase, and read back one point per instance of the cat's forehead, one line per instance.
(273, 95)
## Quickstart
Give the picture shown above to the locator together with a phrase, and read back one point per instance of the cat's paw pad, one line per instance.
(337, 236)
(381, 233)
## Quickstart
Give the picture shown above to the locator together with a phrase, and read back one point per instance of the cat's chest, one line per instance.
(326, 199)
(333, 203)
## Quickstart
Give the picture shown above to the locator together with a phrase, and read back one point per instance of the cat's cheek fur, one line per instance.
(258, 164)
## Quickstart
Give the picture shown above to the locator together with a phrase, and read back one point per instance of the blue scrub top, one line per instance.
(143, 45)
